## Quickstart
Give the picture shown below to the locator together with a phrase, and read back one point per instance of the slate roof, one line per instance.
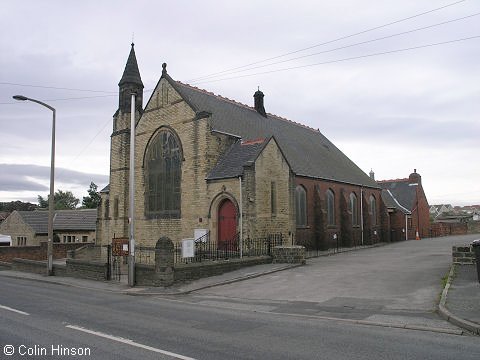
(391, 203)
(239, 155)
(402, 191)
(37, 220)
(131, 74)
(70, 220)
(308, 151)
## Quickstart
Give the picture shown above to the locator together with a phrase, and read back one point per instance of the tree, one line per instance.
(17, 205)
(93, 200)
(64, 200)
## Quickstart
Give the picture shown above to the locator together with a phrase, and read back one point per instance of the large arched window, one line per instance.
(330, 207)
(301, 206)
(373, 209)
(354, 208)
(163, 175)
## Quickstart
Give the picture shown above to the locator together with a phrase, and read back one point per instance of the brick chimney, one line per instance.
(258, 97)
(415, 178)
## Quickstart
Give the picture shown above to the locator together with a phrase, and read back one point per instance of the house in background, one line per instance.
(3, 216)
(29, 228)
(399, 216)
(438, 210)
(412, 207)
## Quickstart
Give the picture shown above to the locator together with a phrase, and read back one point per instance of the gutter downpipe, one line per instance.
(361, 212)
(241, 217)
(406, 227)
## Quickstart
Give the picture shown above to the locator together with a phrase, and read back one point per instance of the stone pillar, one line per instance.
(164, 261)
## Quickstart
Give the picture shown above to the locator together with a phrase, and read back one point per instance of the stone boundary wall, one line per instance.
(8, 253)
(36, 267)
(289, 254)
(93, 270)
(463, 255)
(146, 275)
(188, 272)
(5, 265)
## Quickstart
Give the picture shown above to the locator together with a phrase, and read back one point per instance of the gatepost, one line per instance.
(164, 261)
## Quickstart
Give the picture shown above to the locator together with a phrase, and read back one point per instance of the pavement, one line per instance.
(459, 303)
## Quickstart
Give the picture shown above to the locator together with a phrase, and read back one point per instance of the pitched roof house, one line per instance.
(408, 206)
(29, 228)
(207, 162)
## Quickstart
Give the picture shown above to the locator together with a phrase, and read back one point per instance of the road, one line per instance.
(59, 316)
(49, 318)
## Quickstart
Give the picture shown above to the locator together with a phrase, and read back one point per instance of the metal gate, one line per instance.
(118, 260)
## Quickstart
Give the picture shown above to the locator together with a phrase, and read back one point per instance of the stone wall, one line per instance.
(86, 269)
(36, 267)
(189, 272)
(463, 255)
(8, 253)
(289, 254)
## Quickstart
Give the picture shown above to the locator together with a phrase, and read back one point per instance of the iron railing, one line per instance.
(209, 250)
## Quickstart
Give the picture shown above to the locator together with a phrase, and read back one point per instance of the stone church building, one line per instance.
(204, 162)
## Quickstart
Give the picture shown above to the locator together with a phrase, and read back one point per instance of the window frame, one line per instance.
(330, 200)
(353, 207)
(163, 175)
(373, 209)
(301, 207)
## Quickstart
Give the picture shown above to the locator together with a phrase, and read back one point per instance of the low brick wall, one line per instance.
(463, 255)
(86, 269)
(289, 254)
(447, 229)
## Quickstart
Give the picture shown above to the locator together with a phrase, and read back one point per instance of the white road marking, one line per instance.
(14, 310)
(129, 342)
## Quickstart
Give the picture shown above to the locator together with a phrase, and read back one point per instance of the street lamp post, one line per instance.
(51, 203)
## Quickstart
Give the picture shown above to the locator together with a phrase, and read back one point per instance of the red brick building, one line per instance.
(407, 207)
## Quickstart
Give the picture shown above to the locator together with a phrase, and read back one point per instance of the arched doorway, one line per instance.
(227, 224)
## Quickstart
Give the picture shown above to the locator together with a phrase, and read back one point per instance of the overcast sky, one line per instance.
(385, 98)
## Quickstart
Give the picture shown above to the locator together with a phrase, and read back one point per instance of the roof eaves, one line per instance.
(338, 181)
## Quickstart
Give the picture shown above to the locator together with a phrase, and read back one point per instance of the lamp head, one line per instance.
(20, 97)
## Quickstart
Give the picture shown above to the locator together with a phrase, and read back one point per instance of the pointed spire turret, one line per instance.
(131, 74)
(131, 82)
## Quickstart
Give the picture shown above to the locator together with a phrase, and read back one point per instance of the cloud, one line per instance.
(19, 178)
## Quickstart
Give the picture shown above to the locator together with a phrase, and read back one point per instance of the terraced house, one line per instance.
(207, 164)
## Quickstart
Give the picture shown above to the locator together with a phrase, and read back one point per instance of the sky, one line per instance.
(393, 84)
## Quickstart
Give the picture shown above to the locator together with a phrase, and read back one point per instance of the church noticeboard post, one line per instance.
(120, 246)
(188, 248)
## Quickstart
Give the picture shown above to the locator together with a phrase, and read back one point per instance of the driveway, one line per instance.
(399, 282)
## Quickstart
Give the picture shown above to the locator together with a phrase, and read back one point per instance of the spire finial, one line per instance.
(164, 68)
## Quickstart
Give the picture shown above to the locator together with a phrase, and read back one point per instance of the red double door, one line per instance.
(227, 224)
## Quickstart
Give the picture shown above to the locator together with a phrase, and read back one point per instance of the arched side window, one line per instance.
(163, 175)
(354, 208)
(330, 207)
(373, 209)
(301, 206)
